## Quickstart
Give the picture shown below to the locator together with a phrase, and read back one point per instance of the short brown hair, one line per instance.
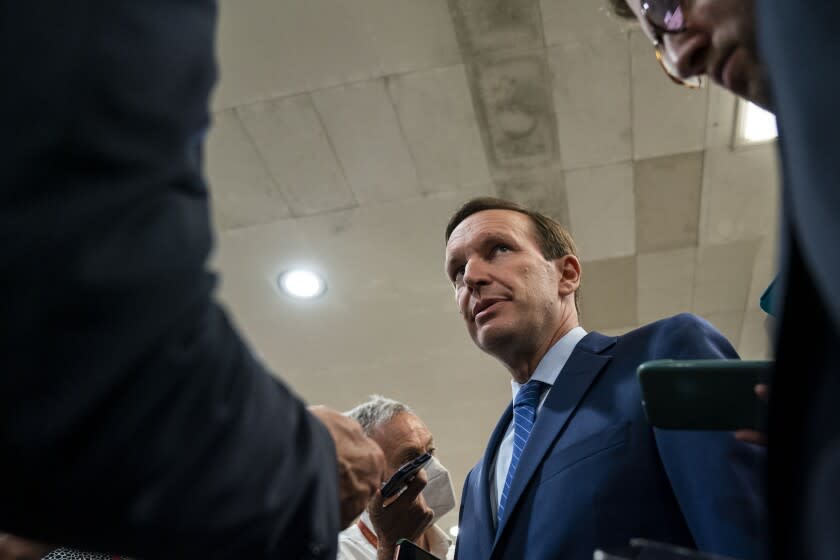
(554, 240)
(621, 9)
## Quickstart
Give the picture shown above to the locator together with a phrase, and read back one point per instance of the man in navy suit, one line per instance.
(572, 464)
(133, 418)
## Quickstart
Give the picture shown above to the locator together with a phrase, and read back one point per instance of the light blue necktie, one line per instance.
(524, 413)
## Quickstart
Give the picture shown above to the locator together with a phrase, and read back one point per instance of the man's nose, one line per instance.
(688, 53)
(475, 274)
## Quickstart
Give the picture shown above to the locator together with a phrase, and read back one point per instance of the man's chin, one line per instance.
(757, 87)
(760, 95)
(492, 339)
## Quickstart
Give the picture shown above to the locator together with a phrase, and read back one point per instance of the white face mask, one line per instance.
(438, 493)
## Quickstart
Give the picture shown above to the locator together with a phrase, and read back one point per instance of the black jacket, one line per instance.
(801, 50)
(133, 418)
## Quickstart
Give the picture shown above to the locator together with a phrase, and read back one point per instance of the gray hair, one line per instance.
(376, 411)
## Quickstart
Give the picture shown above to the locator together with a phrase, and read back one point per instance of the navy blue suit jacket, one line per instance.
(133, 418)
(595, 474)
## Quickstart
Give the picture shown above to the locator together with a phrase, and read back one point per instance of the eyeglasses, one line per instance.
(665, 17)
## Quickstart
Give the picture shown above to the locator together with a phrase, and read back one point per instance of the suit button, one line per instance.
(316, 550)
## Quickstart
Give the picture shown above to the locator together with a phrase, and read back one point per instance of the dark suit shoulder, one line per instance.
(676, 324)
(684, 335)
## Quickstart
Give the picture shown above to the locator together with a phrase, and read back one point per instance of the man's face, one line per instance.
(403, 438)
(508, 293)
(719, 42)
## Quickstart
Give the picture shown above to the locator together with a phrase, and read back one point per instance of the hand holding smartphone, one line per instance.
(401, 478)
(704, 394)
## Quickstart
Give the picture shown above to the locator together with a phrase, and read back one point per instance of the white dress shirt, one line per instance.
(354, 545)
(547, 371)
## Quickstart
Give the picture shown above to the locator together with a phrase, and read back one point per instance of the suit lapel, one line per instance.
(486, 518)
(581, 369)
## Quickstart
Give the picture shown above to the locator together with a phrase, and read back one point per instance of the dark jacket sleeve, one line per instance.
(133, 419)
(717, 480)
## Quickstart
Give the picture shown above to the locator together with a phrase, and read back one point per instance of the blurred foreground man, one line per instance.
(133, 418)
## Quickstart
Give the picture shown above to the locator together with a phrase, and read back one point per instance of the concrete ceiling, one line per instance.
(345, 134)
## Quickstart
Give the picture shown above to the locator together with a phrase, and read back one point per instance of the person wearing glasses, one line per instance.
(712, 39)
(783, 55)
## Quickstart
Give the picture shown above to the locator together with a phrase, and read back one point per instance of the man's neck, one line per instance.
(522, 367)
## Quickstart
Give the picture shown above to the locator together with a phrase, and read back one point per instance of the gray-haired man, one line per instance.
(402, 436)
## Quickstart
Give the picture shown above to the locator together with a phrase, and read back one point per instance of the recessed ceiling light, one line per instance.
(453, 531)
(302, 283)
(755, 124)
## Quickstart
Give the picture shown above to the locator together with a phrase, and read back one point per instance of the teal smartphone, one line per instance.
(704, 394)
(407, 550)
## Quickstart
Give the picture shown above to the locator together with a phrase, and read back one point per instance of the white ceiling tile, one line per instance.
(602, 210)
(291, 140)
(541, 189)
(436, 114)
(740, 194)
(617, 332)
(723, 275)
(667, 118)
(720, 119)
(728, 323)
(755, 342)
(250, 261)
(567, 20)
(668, 200)
(592, 100)
(241, 187)
(410, 35)
(267, 49)
(666, 283)
(363, 127)
(608, 293)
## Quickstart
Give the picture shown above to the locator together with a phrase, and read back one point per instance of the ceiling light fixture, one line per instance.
(453, 531)
(301, 283)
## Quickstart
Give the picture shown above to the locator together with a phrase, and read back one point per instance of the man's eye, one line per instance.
(502, 248)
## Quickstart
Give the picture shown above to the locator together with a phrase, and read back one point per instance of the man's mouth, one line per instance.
(484, 307)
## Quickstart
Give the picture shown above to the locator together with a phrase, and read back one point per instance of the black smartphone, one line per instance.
(704, 394)
(407, 550)
(400, 479)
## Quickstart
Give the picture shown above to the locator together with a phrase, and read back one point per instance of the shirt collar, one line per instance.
(554, 360)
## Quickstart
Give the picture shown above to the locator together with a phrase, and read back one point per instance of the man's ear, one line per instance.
(568, 275)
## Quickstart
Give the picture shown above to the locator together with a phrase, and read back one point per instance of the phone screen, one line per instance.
(407, 550)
